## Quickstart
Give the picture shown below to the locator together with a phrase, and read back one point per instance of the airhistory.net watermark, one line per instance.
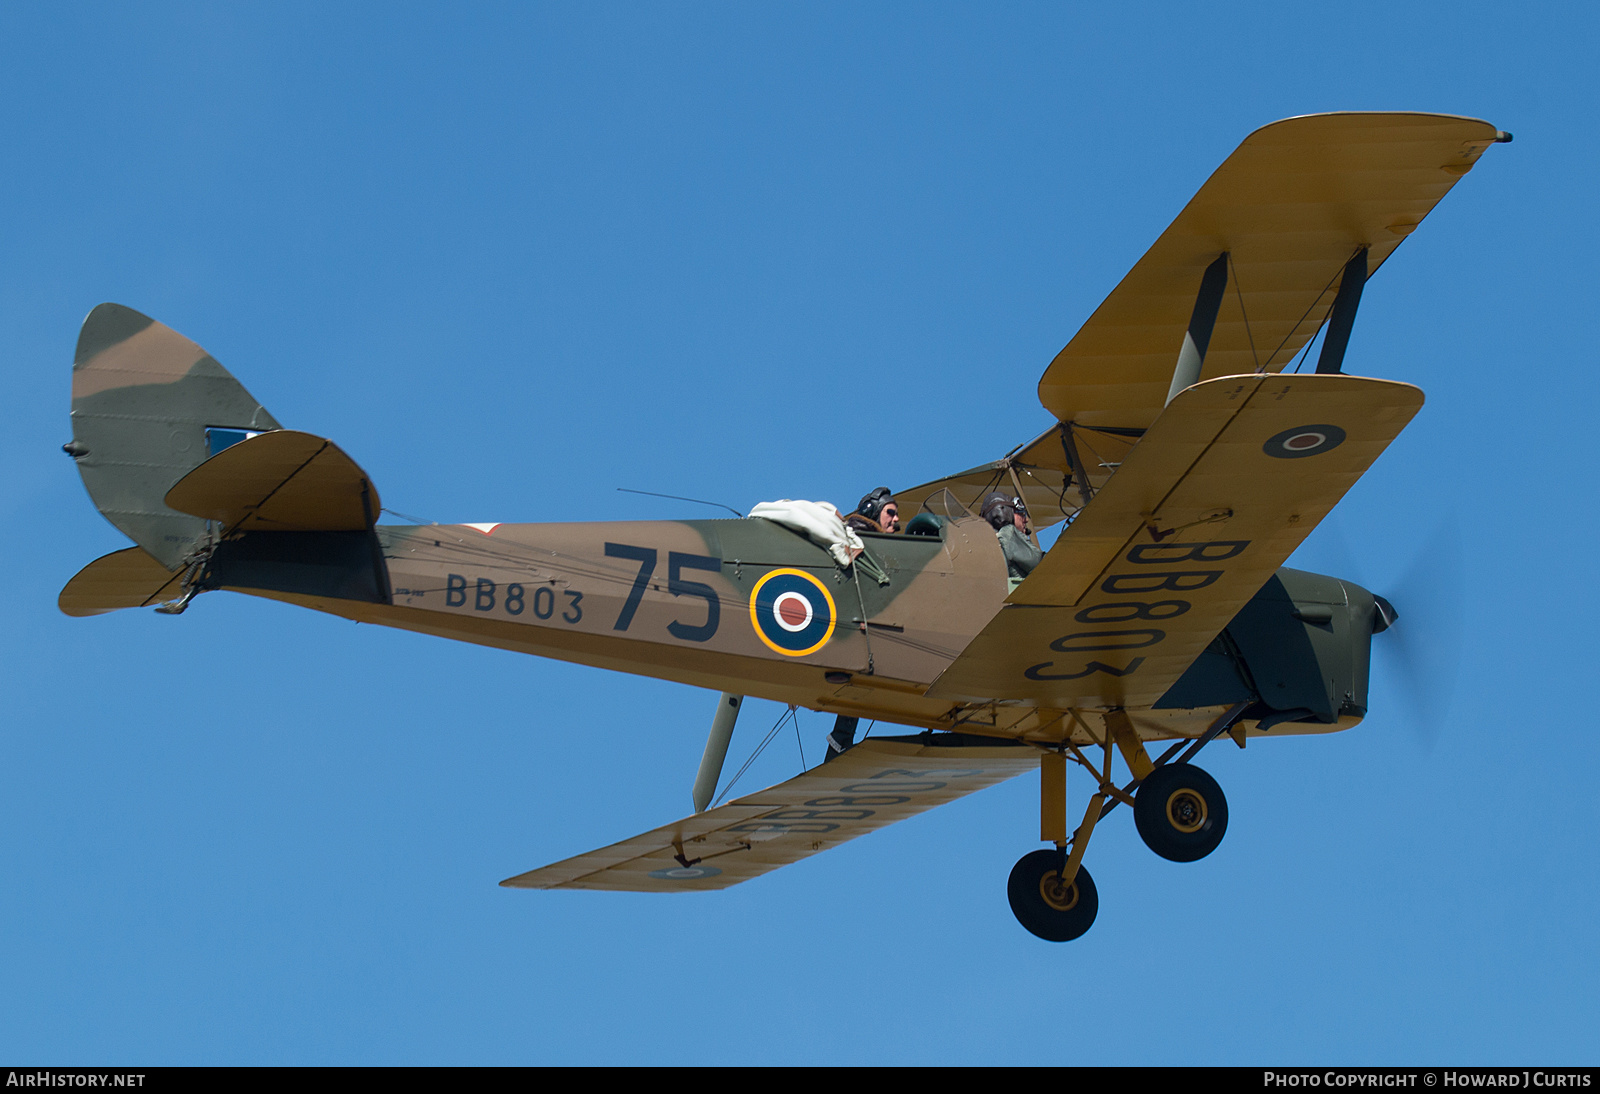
(36, 1077)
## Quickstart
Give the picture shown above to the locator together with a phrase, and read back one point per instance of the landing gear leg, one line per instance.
(1179, 810)
(1051, 894)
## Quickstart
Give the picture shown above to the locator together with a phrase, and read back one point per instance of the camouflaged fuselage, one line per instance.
(167, 442)
(676, 600)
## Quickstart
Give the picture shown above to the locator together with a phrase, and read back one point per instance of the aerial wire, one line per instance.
(407, 516)
(677, 497)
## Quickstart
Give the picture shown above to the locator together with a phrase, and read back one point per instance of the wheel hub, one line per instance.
(1058, 896)
(1186, 810)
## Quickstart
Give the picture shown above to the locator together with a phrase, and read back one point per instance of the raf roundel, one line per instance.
(685, 873)
(792, 612)
(1303, 440)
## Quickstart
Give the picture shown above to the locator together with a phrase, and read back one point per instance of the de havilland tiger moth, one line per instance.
(1190, 456)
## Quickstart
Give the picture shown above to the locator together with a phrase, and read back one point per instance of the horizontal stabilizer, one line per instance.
(123, 579)
(283, 481)
(879, 781)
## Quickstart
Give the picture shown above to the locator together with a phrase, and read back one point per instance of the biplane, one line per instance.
(1190, 455)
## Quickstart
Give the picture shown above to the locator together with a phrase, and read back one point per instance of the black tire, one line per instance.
(1042, 907)
(1180, 812)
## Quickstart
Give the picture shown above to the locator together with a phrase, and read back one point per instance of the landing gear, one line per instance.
(1051, 894)
(1180, 812)
(1041, 903)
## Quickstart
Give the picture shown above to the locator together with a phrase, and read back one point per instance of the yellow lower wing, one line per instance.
(1212, 500)
(874, 784)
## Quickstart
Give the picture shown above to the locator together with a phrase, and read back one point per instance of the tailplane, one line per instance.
(123, 579)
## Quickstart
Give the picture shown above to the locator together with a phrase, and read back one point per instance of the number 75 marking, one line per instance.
(677, 562)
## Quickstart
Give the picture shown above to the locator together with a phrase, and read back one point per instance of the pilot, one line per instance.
(878, 512)
(1009, 518)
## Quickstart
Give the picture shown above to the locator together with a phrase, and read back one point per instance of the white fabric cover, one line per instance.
(817, 521)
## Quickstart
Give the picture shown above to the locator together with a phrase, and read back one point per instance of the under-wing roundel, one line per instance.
(1187, 456)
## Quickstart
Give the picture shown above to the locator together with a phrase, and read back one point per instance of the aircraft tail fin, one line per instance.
(148, 407)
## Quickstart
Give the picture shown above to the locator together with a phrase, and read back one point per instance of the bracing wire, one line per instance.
(760, 748)
(1238, 291)
(1306, 313)
(1305, 352)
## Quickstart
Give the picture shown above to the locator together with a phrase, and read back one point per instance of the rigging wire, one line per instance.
(1307, 312)
(1238, 291)
(1303, 353)
(760, 748)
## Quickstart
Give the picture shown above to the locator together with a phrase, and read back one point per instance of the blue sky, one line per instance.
(513, 257)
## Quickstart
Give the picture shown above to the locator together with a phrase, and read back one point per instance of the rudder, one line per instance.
(148, 407)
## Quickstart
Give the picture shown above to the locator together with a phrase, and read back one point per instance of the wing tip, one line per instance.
(1398, 117)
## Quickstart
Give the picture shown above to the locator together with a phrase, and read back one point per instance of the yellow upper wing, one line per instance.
(1290, 206)
(1040, 472)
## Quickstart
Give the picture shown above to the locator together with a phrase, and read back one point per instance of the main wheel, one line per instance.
(1180, 812)
(1054, 912)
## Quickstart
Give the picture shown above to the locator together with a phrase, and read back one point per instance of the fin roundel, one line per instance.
(792, 612)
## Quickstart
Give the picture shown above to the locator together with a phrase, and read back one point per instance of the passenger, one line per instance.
(1009, 518)
(878, 512)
